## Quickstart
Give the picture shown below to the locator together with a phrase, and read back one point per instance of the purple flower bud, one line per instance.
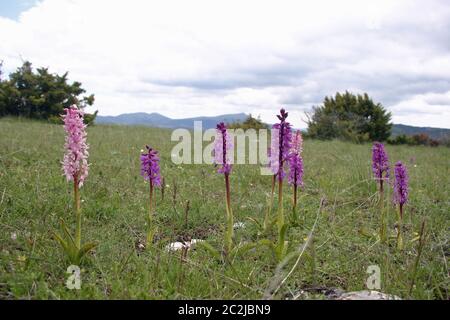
(280, 145)
(150, 166)
(400, 184)
(223, 144)
(380, 162)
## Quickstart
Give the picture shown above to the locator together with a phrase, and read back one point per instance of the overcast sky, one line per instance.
(191, 58)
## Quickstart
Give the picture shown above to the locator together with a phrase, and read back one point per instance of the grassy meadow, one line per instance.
(338, 202)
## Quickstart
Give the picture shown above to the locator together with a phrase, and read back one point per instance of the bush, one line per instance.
(400, 139)
(421, 139)
(249, 123)
(350, 117)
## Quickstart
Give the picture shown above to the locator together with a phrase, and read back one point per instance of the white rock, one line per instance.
(367, 295)
(239, 225)
(175, 246)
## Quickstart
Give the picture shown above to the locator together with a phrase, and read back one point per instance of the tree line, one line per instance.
(39, 94)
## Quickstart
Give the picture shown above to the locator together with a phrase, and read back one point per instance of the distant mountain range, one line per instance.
(435, 133)
(159, 121)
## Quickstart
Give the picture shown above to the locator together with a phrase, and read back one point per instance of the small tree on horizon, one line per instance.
(350, 117)
(249, 123)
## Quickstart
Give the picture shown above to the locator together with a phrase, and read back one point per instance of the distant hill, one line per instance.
(435, 133)
(160, 121)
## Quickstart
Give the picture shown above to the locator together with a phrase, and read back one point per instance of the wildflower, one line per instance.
(150, 167)
(400, 196)
(400, 186)
(280, 145)
(222, 157)
(296, 170)
(75, 164)
(223, 146)
(150, 171)
(380, 168)
(295, 160)
(75, 167)
(297, 143)
(380, 164)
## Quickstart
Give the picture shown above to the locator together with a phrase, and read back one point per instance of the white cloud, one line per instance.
(429, 107)
(186, 58)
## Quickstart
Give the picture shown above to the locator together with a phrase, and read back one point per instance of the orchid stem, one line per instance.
(150, 215)
(295, 196)
(77, 212)
(383, 215)
(280, 205)
(399, 229)
(281, 231)
(150, 202)
(270, 206)
(294, 209)
(229, 231)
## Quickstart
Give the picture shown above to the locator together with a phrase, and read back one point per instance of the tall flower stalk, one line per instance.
(279, 155)
(267, 222)
(76, 169)
(380, 165)
(295, 177)
(267, 218)
(400, 197)
(380, 168)
(150, 171)
(223, 145)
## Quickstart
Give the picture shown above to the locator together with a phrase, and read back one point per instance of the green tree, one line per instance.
(248, 123)
(40, 94)
(350, 117)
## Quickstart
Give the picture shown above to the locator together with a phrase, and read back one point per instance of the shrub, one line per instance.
(249, 123)
(350, 117)
(421, 139)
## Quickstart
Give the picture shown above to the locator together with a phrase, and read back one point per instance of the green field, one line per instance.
(34, 196)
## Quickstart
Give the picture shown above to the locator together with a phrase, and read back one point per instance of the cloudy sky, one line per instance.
(190, 58)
